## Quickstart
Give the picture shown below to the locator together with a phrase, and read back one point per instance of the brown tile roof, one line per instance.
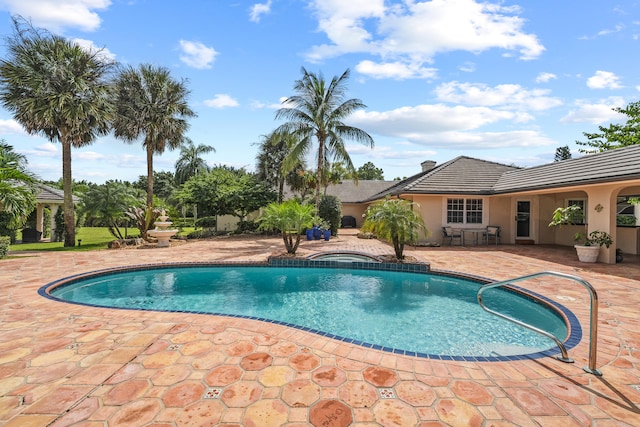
(462, 175)
(613, 165)
(48, 194)
(351, 192)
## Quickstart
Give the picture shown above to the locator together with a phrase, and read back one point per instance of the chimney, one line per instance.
(427, 165)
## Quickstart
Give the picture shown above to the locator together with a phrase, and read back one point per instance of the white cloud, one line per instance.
(89, 155)
(196, 54)
(467, 67)
(259, 9)
(11, 126)
(221, 101)
(511, 96)
(604, 80)
(615, 29)
(414, 122)
(443, 126)
(395, 70)
(89, 46)
(48, 149)
(545, 77)
(418, 30)
(56, 15)
(595, 113)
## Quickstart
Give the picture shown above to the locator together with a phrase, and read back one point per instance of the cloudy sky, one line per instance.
(506, 81)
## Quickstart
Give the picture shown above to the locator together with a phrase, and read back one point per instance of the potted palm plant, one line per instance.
(588, 244)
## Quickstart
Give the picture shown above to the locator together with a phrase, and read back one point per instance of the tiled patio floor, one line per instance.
(63, 364)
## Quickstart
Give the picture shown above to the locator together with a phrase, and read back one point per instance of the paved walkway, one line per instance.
(62, 364)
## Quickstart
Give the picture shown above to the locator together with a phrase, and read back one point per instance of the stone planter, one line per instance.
(587, 253)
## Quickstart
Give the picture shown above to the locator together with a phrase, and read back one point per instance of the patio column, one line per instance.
(54, 210)
(40, 217)
(602, 217)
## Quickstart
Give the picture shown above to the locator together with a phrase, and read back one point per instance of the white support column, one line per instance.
(601, 216)
(40, 217)
(54, 210)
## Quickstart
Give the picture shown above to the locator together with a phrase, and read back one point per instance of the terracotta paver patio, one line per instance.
(64, 364)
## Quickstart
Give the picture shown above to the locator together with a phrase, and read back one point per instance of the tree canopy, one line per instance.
(151, 104)
(17, 188)
(226, 191)
(190, 162)
(562, 153)
(369, 171)
(616, 135)
(316, 114)
(56, 88)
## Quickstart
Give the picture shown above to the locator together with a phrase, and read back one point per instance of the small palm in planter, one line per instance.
(290, 218)
(588, 247)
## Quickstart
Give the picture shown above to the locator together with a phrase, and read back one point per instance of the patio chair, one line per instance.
(493, 232)
(451, 234)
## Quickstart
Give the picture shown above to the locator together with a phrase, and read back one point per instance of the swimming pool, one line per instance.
(429, 315)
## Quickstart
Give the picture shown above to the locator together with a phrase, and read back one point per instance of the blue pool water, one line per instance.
(422, 313)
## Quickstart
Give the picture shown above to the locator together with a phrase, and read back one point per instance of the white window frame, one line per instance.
(465, 213)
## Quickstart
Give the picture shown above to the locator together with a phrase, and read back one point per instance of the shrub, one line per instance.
(206, 222)
(330, 210)
(203, 234)
(246, 227)
(4, 246)
(625, 220)
(7, 226)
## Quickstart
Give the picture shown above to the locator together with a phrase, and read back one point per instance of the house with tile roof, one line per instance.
(53, 199)
(471, 194)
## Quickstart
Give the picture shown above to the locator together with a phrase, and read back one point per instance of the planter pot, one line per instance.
(309, 234)
(587, 253)
(317, 233)
(327, 235)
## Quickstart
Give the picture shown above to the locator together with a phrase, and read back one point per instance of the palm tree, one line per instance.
(290, 218)
(150, 103)
(58, 89)
(316, 113)
(17, 187)
(108, 202)
(190, 162)
(396, 221)
(270, 161)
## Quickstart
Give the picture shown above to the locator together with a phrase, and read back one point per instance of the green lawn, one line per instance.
(92, 238)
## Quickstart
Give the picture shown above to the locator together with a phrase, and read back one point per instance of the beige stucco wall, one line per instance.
(356, 210)
(499, 209)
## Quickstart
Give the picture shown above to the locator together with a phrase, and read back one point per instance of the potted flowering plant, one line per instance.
(588, 244)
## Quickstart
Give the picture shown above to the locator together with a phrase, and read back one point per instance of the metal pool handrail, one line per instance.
(593, 321)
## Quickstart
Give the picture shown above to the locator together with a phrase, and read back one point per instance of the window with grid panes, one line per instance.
(474, 211)
(583, 206)
(455, 211)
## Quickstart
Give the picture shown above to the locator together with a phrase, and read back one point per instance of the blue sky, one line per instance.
(506, 81)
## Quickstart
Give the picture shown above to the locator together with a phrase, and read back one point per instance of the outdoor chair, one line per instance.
(493, 232)
(451, 234)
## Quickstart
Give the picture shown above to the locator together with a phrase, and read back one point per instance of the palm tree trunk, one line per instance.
(319, 173)
(67, 186)
(149, 176)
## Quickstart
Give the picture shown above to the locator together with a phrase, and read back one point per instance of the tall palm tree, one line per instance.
(316, 113)
(190, 162)
(270, 161)
(58, 89)
(150, 103)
